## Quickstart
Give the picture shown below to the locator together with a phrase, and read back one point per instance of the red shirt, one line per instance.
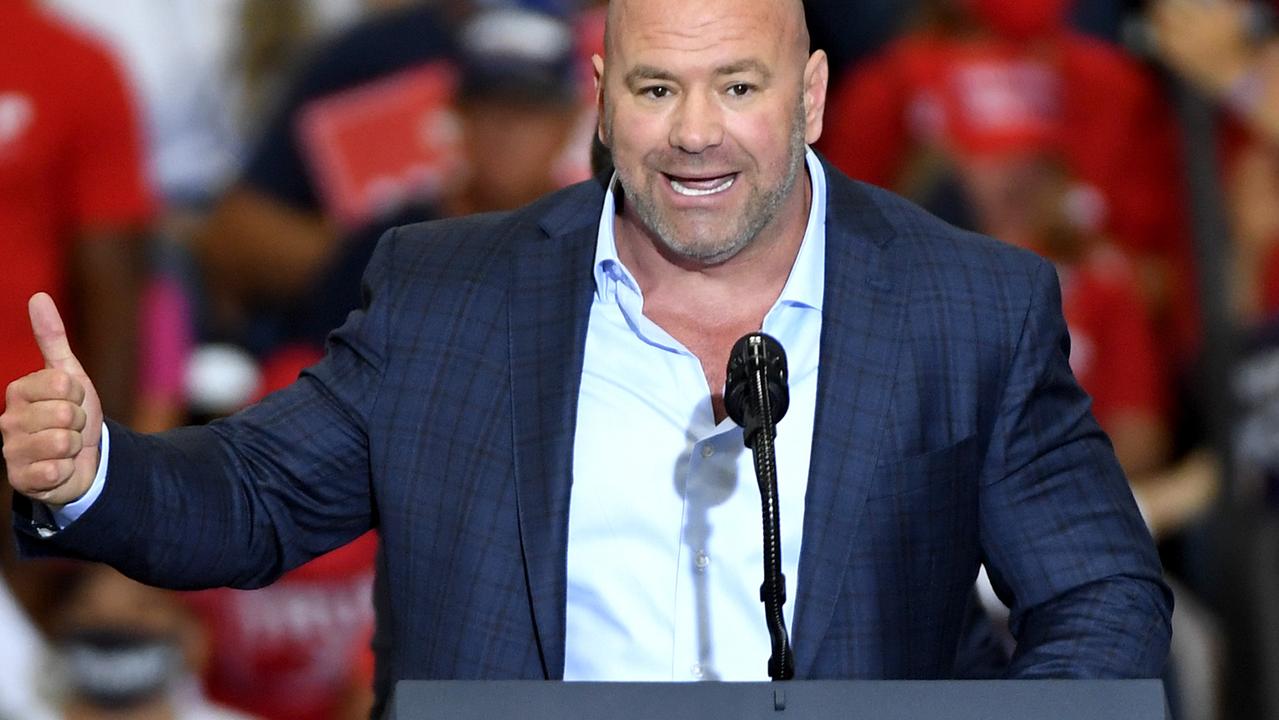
(1113, 351)
(291, 650)
(1076, 97)
(70, 159)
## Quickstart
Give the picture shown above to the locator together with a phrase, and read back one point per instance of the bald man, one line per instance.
(529, 410)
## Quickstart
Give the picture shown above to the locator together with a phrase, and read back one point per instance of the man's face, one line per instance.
(707, 107)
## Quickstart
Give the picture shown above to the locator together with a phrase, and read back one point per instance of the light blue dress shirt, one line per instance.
(66, 514)
(665, 548)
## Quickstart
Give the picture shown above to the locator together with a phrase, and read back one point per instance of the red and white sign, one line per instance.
(377, 146)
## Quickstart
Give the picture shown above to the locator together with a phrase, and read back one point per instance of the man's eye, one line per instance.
(657, 92)
(740, 89)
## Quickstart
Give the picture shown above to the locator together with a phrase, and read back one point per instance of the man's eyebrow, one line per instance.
(745, 66)
(647, 72)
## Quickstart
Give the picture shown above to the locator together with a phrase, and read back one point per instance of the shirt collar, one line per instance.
(804, 286)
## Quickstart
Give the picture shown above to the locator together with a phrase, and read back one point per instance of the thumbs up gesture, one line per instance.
(52, 420)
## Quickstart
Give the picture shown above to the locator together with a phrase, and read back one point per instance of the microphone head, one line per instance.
(753, 354)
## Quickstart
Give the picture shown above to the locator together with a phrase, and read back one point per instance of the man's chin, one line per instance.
(705, 251)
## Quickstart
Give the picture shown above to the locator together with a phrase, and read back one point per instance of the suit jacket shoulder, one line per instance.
(475, 248)
(895, 223)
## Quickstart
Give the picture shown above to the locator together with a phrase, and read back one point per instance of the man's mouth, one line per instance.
(701, 187)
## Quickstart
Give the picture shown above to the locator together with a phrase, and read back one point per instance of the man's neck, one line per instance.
(707, 307)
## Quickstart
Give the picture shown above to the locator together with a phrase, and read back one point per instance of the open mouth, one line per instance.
(701, 187)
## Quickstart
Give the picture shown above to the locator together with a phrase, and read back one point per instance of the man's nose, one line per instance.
(698, 124)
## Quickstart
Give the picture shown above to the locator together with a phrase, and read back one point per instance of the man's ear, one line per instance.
(597, 63)
(816, 82)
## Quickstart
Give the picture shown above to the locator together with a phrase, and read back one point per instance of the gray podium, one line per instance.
(809, 700)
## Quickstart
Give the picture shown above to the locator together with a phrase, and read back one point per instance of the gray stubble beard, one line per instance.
(761, 208)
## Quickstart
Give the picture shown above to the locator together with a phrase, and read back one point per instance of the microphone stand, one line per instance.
(750, 398)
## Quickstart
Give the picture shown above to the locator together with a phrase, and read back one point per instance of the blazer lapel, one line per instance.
(864, 311)
(549, 308)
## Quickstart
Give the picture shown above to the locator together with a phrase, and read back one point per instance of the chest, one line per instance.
(662, 482)
(708, 335)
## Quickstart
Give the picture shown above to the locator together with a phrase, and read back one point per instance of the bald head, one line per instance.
(792, 23)
(707, 107)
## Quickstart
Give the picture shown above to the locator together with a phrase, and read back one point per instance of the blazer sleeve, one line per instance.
(1061, 535)
(244, 499)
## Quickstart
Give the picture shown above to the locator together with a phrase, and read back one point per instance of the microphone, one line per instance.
(756, 397)
(756, 361)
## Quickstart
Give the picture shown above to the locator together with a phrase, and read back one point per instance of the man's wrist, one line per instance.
(58, 517)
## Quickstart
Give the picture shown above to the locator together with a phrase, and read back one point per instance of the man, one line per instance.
(501, 360)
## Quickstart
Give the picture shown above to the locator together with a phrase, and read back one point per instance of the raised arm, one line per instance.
(235, 503)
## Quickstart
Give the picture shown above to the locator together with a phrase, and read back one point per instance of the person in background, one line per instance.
(120, 649)
(204, 72)
(998, 74)
(270, 237)
(75, 202)
(517, 104)
(1228, 50)
(852, 30)
(75, 207)
(1223, 49)
(514, 114)
(177, 55)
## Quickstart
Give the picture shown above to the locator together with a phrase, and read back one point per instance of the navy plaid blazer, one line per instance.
(949, 432)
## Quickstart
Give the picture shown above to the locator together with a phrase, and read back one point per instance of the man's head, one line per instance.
(519, 102)
(707, 107)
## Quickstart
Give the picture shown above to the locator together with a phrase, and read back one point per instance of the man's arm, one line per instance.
(258, 248)
(1062, 538)
(235, 503)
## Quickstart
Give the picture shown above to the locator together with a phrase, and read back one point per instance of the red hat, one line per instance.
(1001, 102)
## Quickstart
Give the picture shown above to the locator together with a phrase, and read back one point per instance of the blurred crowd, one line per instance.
(200, 183)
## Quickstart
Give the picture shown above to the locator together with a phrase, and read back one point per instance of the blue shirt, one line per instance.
(665, 549)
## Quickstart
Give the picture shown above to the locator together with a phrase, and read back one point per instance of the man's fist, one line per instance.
(52, 420)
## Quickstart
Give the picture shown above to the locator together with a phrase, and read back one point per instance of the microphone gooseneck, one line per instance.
(756, 397)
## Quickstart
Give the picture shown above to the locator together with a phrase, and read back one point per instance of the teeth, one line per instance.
(683, 189)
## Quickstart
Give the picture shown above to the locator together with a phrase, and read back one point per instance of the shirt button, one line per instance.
(707, 451)
(702, 561)
(697, 671)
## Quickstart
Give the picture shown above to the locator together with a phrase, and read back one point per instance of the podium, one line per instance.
(806, 700)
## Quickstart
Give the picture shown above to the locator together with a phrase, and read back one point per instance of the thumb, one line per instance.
(51, 335)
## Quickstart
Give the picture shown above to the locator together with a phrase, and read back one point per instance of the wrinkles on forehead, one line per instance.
(786, 16)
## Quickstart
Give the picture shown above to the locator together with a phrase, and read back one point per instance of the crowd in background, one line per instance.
(200, 183)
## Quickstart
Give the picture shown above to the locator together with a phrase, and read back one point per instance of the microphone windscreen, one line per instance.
(752, 354)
